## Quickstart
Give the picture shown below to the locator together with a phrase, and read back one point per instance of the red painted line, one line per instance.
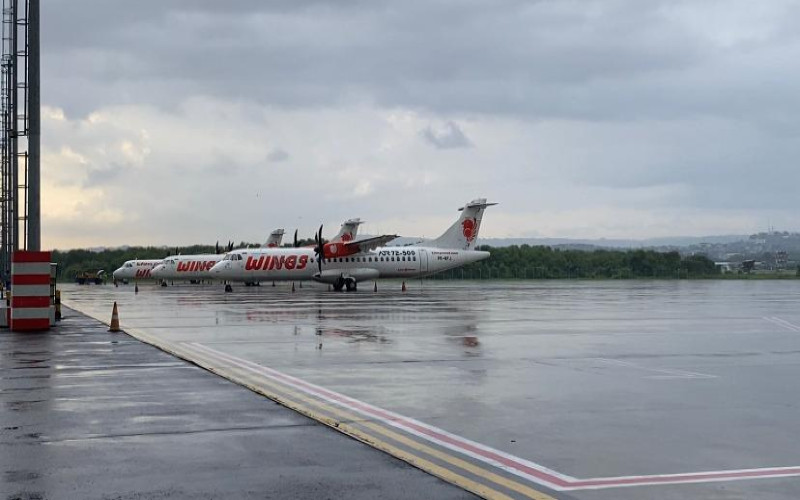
(25, 302)
(371, 410)
(29, 279)
(688, 477)
(23, 256)
(561, 481)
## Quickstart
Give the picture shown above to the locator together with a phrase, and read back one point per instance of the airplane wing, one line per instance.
(368, 244)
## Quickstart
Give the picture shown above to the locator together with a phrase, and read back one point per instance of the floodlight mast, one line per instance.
(21, 131)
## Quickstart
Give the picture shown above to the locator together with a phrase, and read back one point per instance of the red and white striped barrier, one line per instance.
(30, 291)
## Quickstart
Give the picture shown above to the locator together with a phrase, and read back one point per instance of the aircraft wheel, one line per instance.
(338, 285)
(228, 288)
(164, 284)
(351, 285)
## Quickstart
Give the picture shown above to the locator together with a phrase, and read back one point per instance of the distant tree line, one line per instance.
(543, 262)
(513, 262)
(73, 262)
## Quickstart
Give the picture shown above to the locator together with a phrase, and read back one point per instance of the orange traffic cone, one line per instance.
(114, 319)
(375, 289)
(292, 286)
(404, 287)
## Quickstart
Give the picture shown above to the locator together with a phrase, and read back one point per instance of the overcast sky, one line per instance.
(178, 122)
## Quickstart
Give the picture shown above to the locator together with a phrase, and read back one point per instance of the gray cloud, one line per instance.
(277, 155)
(448, 136)
(638, 105)
(103, 176)
(609, 60)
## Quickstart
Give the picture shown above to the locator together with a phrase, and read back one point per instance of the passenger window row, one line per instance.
(370, 259)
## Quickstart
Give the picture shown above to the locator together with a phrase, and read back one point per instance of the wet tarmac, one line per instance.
(634, 389)
(87, 414)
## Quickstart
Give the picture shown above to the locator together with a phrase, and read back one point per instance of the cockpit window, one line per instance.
(128, 264)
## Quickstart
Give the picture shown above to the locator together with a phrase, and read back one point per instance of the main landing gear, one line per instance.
(345, 283)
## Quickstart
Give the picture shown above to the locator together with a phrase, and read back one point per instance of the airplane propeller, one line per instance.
(319, 249)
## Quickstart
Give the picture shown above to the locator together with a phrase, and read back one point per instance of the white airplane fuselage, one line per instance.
(136, 269)
(298, 264)
(186, 267)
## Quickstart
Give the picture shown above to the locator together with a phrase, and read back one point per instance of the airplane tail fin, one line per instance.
(275, 238)
(463, 234)
(348, 231)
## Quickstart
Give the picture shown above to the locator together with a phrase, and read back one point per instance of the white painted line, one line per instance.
(558, 481)
(526, 469)
(782, 323)
(685, 478)
(530, 471)
(664, 373)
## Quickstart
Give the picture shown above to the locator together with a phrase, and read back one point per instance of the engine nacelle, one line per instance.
(336, 249)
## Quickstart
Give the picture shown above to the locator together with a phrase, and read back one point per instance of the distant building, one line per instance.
(725, 267)
(781, 259)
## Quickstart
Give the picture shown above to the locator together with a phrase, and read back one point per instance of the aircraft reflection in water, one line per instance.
(373, 320)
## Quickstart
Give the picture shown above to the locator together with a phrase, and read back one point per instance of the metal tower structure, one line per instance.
(19, 141)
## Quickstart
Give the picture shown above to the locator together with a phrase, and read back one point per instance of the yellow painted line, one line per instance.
(425, 465)
(257, 384)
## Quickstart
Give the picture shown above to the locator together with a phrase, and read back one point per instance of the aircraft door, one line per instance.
(423, 262)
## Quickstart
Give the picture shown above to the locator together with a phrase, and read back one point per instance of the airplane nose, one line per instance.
(218, 268)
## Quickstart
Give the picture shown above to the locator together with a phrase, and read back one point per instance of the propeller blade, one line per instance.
(320, 249)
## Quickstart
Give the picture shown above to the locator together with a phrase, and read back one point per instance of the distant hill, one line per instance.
(773, 249)
(675, 241)
(589, 244)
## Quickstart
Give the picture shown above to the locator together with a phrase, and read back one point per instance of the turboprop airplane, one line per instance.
(345, 264)
(196, 267)
(140, 269)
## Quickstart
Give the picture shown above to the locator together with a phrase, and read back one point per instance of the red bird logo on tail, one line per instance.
(468, 228)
